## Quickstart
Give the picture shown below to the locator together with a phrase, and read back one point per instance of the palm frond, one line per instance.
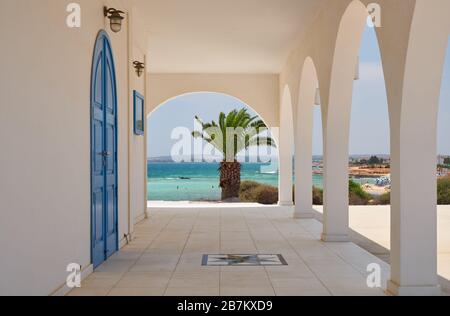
(235, 131)
(197, 134)
(262, 141)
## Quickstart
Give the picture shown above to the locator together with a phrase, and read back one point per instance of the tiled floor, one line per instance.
(166, 257)
(371, 230)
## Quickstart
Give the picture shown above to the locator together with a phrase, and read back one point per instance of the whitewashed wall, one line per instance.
(45, 140)
(138, 153)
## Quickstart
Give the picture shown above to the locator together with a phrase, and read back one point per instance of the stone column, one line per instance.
(286, 144)
(413, 141)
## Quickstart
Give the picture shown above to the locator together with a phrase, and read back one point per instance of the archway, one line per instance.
(336, 123)
(369, 146)
(413, 79)
(309, 96)
(175, 177)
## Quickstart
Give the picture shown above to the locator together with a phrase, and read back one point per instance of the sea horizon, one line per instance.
(206, 159)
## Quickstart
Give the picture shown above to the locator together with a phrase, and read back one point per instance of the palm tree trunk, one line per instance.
(230, 179)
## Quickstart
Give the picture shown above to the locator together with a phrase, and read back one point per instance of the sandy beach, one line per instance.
(376, 190)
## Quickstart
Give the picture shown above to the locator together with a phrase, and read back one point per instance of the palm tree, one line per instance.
(235, 132)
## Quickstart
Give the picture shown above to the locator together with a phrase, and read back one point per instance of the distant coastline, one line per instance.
(317, 158)
(198, 181)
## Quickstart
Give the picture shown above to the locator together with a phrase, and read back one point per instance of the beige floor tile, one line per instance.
(246, 291)
(289, 272)
(195, 280)
(302, 292)
(144, 280)
(331, 271)
(242, 280)
(115, 266)
(127, 254)
(183, 291)
(301, 284)
(339, 281)
(100, 282)
(355, 291)
(89, 292)
(137, 292)
(187, 269)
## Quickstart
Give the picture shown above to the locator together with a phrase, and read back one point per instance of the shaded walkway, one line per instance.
(165, 257)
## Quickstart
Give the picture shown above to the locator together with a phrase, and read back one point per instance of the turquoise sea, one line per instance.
(169, 181)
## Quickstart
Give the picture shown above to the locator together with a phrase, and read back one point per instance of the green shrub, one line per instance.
(317, 196)
(254, 192)
(266, 194)
(357, 196)
(356, 189)
(246, 193)
(384, 199)
(443, 189)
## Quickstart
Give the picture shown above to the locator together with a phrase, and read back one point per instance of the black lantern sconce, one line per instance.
(115, 17)
(139, 68)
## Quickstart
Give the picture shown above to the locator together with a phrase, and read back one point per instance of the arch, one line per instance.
(336, 122)
(199, 192)
(286, 142)
(215, 92)
(262, 91)
(274, 131)
(346, 50)
(309, 85)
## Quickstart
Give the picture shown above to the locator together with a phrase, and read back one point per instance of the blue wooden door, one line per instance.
(104, 189)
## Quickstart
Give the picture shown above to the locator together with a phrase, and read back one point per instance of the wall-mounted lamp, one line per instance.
(115, 17)
(139, 68)
(317, 100)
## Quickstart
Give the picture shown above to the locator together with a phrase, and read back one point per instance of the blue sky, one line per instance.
(181, 111)
(369, 131)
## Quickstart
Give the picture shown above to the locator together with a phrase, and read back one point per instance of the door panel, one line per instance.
(111, 229)
(98, 89)
(97, 165)
(98, 219)
(109, 83)
(111, 150)
(103, 153)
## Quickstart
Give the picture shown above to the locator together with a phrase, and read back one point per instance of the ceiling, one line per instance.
(224, 36)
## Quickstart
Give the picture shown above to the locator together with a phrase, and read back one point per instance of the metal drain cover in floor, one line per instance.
(244, 260)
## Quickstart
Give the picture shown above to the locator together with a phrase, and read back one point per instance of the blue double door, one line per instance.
(104, 184)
